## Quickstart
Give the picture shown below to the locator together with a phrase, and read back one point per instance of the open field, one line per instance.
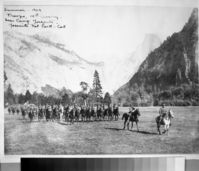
(22, 137)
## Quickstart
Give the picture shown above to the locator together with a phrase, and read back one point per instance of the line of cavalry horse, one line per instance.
(73, 114)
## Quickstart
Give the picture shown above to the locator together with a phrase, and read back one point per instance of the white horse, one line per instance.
(166, 121)
(61, 112)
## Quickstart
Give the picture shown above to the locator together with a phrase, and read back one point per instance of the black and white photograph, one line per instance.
(100, 79)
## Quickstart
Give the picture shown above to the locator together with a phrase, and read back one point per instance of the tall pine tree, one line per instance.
(28, 96)
(97, 87)
(9, 95)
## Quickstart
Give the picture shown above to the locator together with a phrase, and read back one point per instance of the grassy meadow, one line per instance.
(103, 137)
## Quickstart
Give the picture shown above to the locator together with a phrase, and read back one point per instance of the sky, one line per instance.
(102, 31)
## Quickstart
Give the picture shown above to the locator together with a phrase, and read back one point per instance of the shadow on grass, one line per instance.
(141, 132)
(115, 129)
(145, 132)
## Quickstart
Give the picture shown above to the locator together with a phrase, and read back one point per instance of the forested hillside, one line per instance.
(169, 73)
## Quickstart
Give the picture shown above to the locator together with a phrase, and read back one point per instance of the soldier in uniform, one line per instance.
(13, 110)
(72, 115)
(23, 112)
(40, 113)
(54, 113)
(82, 112)
(66, 111)
(47, 113)
(162, 112)
(30, 114)
(116, 112)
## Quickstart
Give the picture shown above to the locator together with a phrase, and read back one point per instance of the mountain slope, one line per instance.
(174, 63)
(32, 62)
(125, 68)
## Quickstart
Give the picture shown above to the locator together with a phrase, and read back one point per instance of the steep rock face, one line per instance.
(175, 62)
(32, 62)
(128, 66)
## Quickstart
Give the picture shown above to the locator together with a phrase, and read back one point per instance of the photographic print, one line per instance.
(100, 80)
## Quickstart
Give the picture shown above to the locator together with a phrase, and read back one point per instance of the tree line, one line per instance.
(183, 95)
(88, 96)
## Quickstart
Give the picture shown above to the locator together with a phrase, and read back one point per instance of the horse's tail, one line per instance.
(156, 119)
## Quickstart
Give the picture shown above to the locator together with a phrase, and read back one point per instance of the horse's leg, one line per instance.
(165, 129)
(128, 125)
(158, 129)
(124, 124)
(168, 130)
(131, 125)
(137, 126)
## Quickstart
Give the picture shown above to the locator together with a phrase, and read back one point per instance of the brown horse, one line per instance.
(131, 117)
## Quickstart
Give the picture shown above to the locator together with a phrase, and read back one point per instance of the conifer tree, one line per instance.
(107, 99)
(28, 96)
(9, 95)
(97, 87)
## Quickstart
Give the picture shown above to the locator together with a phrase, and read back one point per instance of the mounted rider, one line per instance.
(116, 109)
(61, 110)
(162, 113)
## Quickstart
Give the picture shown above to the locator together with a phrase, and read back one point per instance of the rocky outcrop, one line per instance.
(174, 63)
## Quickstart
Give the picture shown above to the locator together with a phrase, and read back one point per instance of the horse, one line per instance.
(72, 116)
(105, 114)
(23, 112)
(66, 113)
(116, 113)
(40, 114)
(110, 114)
(51, 114)
(13, 110)
(44, 111)
(9, 110)
(133, 117)
(30, 114)
(166, 121)
(93, 114)
(82, 112)
(99, 114)
(47, 114)
(88, 115)
(77, 114)
(35, 113)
